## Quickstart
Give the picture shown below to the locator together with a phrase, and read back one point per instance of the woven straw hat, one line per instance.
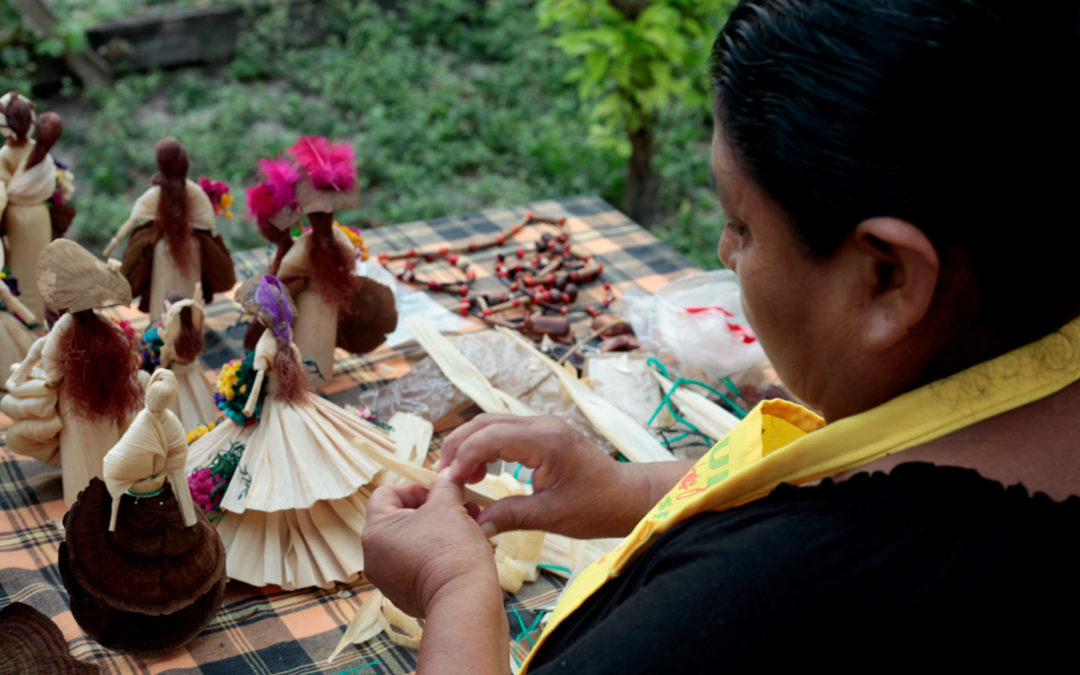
(245, 297)
(313, 200)
(70, 278)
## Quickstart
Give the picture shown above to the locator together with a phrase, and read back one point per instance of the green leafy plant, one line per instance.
(636, 59)
(22, 45)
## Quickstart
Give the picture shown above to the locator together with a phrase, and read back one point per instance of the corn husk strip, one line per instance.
(629, 437)
(364, 625)
(462, 373)
(403, 629)
(560, 553)
(513, 573)
(709, 418)
(411, 435)
(415, 474)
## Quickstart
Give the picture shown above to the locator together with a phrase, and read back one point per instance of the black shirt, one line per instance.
(922, 568)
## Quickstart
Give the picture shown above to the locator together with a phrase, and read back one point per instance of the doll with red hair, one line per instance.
(173, 245)
(77, 390)
(335, 306)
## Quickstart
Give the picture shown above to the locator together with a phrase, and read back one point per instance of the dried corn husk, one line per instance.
(364, 625)
(403, 629)
(411, 435)
(414, 473)
(629, 437)
(463, 374)
(709, 418)
(566, 557)
(623, 379)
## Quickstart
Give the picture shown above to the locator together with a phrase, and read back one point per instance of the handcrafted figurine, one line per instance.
(175, 343)
(28, 174)
(15, 319)
(296, 502)
(335, 306)
(78, 388)
(144, 569)
(174, 246)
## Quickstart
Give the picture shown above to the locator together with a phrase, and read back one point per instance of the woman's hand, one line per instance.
(425, 552)
(578, 490)
(420, 544)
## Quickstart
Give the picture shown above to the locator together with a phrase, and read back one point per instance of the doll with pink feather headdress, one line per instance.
(335, 306)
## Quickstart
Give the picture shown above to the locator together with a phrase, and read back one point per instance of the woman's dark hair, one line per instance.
(955, 115)
(172, 212)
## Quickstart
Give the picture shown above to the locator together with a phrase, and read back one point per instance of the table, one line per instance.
(259, 630)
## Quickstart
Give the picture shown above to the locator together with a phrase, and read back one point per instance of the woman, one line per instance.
(174, 246)
(29, 175)
(77, 390)
(872, 158)
(296, 505)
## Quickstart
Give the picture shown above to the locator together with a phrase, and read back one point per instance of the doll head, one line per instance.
(49, 128)
(172, 163)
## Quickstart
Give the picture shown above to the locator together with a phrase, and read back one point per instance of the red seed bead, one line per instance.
(472, 245)
(442, 250)
(383, 256)
(574, 276)
(503, 273)
(514, 287)
(463, 310)
(591, 310)
(561, 221)
(600, 268)
(429, 257)
(607, 286)
(410, 265)
(433, 284)
(500, 239)
(550, 279)
(463, 289)
(563, 310)
(486, 312)
(520, 252)
(516, 302)
(529, 215)
(529, 281)
(556, 295)
(411, 253)
(470, 275)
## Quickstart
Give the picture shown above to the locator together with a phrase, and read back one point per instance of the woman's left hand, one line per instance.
(423, 545)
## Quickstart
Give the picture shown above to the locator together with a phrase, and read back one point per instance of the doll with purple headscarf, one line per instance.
(295, 504)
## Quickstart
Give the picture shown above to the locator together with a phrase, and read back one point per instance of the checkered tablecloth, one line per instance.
(260, 630)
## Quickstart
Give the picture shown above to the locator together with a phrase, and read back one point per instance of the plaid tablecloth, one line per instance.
(260, 630)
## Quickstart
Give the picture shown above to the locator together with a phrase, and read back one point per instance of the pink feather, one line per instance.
(260, 205)
(330, 165)
(281, 177)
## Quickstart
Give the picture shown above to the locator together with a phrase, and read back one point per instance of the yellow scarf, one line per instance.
(774, 445)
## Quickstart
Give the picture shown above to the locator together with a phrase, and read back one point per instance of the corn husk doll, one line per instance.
(144, 569)
(175, 343)
(335, 306)
(173, 245)
(295, 504)
(28, 174)
(78, 388)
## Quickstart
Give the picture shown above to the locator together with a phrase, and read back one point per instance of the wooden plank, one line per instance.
(182, 37)
(87, 65)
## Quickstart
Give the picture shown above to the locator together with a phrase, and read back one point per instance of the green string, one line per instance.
(359, 668)
(544, 566)
(517, 471)
(525, 632)
(739, 411)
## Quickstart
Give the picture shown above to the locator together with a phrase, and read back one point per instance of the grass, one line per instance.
(452, 106)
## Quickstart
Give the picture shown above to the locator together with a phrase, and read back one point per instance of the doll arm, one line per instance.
(124, 230)
(16, 307)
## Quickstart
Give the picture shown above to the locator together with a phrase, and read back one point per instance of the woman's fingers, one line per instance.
(389, 498)
(458, 436)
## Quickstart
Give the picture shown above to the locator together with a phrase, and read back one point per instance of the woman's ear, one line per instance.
(901, 269)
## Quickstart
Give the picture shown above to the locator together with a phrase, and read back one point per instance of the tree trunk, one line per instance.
(642, 181)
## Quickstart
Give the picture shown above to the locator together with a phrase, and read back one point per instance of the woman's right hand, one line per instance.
(578, 490)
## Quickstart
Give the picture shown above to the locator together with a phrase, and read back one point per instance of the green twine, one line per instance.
(359, 668)
(517, 471)
(525, 631)
(666, 401)
(544, 566)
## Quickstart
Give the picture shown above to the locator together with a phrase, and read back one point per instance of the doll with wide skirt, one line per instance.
(77, 390)
(296, 503)
(144, 569)
(28, 173)
(173, 245)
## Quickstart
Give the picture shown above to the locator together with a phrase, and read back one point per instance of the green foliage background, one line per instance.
(452, 105)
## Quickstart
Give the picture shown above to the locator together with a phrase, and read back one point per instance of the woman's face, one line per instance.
(783, 288)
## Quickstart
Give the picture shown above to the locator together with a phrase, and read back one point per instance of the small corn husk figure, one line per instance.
(145, 570)
(172, 244)
(27, 183)
(78, 388)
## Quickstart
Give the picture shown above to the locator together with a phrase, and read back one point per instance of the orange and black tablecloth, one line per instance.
(264, 630)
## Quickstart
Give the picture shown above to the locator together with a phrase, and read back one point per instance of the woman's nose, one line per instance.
(726, 250)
